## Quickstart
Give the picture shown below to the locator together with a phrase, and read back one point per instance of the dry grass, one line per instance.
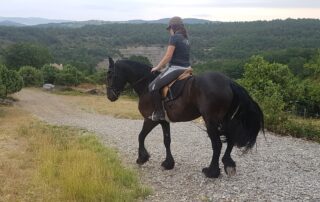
(48, 163)
(125, 107)
(16, 162)
(306, 121)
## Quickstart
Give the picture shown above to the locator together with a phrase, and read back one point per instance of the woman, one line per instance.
(178, 58)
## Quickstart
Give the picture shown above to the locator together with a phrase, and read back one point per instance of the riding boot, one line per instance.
(158, 113)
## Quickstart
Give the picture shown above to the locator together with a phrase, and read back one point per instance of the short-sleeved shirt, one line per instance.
(181, 54)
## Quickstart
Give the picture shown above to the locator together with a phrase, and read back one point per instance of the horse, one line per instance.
(226, 108)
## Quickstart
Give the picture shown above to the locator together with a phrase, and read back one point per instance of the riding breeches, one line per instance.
(165, 77)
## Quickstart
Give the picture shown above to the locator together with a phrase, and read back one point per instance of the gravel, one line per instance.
(277, 169)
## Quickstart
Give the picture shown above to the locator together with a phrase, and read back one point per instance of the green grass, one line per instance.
(75, 166)
(306, 128)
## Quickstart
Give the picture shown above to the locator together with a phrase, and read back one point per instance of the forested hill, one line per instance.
(88, 45)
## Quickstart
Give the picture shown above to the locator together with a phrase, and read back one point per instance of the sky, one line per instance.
(119, 10)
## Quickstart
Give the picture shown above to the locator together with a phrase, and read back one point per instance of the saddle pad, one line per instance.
(186, 74)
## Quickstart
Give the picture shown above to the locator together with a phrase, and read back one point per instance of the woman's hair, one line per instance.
(179, 28)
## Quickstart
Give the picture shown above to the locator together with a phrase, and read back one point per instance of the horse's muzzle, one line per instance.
(112, 94)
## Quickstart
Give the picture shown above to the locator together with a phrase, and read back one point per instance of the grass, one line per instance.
(64, 164)
(126, 107)
(303, 128)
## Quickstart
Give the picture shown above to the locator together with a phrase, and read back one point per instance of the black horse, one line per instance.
(225, 107)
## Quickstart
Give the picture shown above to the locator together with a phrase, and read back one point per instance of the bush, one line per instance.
(49, 73)
(10, 81)
(267, 83)
(99, 77)
(31, 76)
(69, 76)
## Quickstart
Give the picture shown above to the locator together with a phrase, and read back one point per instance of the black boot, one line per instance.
(158, 113)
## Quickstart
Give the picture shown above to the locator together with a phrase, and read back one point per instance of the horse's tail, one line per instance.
(244, 119)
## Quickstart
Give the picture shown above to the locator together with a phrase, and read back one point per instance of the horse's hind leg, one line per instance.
(168, 163)
(229, 164)
(143, 155)
(213, 171)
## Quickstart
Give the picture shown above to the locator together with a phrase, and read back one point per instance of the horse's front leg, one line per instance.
(213, 171)
(143, 155)
(168, 163)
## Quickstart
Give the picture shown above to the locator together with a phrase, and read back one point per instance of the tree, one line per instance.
(10, 81)
(31, 76)
(25, 54)
(314, 65)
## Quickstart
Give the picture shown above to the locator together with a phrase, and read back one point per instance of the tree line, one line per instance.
(86, 46)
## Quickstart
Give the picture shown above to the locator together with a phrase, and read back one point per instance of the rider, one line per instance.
(178, 57)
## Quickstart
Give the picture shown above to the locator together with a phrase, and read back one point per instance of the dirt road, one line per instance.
(278, 169)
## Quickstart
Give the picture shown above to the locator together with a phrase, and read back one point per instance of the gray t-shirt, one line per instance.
(181, 54)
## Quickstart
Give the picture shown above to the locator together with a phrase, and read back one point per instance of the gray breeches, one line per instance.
(168, 75)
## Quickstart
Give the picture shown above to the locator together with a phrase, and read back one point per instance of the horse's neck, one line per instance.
(140, 83)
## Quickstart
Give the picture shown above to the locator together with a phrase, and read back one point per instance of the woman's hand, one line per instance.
(155, 69)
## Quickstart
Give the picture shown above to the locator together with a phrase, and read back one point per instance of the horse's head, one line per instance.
(115, 81)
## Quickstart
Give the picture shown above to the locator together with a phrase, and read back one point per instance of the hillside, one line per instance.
(86, 46)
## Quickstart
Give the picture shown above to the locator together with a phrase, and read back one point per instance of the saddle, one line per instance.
(173, 90)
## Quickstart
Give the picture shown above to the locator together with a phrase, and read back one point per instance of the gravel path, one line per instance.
(278, 169)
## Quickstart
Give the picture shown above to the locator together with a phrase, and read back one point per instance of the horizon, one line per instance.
(115, 21)
(125, 10)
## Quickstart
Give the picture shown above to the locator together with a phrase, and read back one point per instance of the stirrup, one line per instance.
(157, 116)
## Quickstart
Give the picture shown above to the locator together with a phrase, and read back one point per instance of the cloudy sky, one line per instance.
(115, 10)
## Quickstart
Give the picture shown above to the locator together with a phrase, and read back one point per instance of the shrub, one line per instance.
(10, 81)
(99, 77)
(267, 84)
(31, 76)
(69, 76)
(49, 73)
(14, 82)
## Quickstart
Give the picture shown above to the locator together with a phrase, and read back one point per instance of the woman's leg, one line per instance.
(155, 86)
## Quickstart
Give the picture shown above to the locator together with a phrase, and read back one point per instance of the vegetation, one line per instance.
(26, 54)
(86, 46)
(49, 73)
(31, 76)
(59, 164)
(125, 107)
(141, 59)
(10, 81)
(69, 76)
(277, 91)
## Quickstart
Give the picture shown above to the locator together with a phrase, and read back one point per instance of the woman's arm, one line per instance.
(166, 58)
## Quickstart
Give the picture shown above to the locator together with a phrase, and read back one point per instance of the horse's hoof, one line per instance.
(142, 160)
(167, 165)
(230, 171)
(214, 173)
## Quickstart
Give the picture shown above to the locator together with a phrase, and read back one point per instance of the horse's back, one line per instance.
(214, 83)
(214, 94)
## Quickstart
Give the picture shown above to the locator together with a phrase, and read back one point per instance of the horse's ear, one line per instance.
(111, 63)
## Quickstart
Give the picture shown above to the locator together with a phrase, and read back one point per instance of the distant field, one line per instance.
(39, 162)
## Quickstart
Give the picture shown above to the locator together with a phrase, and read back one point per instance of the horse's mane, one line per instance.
(138, 67)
